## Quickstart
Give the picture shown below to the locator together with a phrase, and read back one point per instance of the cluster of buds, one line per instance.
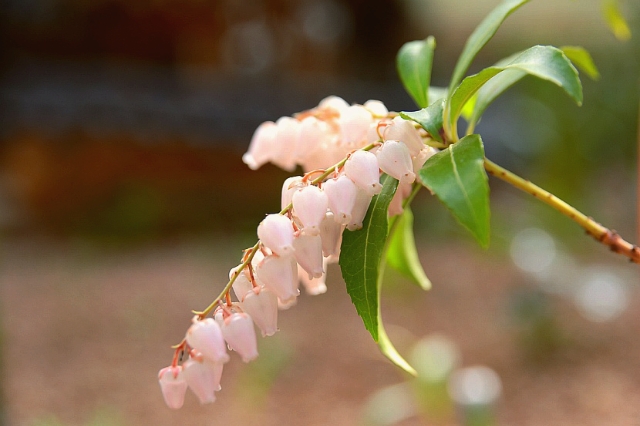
(347, 148)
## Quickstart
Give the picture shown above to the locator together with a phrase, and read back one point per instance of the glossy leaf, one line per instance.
(430, 118)
(414, 62)
(582, 59)
(362, 268)
(402, 254)
(616, 22)
(480, 36)
(388, 350)
(545, 62)
(457, 177)
(360, 256)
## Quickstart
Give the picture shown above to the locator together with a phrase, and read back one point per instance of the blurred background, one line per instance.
(124, 202)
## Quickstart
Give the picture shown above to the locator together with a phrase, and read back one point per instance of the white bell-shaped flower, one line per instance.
(286, 304)
(422, 157)
(362, 168)
(354, 123)
(262, 145)
(394, 159)
(376, 108)
(331, 235)
(262, 305)
(312, 135)
(242, 285)
(205, 336)
(284, 150)
(279, 274)
(359, 210)
(290, 185)
(276, 233)
(333, 102)
(313, 286)
(203, 378)
(403, 191)
(239, 333)
(309, 207)
(173, 386)
(403, 130)
(329, 154)
(308, 254)
(341, 193)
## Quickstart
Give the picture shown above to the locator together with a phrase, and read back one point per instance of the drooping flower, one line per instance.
(308, 254)
(206, 337)
(395, 160)
(239, 333)
(280, 275)
(173, 386)
(341, 193)
(276, 233)
(262, 305)
(203, 377)
(310, 204)
(362, 168)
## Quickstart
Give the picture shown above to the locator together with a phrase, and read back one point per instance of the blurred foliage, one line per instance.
(108, 182)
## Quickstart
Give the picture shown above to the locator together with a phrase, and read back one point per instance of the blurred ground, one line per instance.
(86, 332)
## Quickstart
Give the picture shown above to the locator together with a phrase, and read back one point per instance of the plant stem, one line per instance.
(227, 288)
(602, 234)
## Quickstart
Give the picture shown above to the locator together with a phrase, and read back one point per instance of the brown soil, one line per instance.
(86, 332)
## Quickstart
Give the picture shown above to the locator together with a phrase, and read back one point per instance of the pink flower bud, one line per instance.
(262, 305)
(312, 135)
(262, 145)
(239, 333)
(279, 274)
(403, 191)
(290, 186)
(173, 386)
(354, 123)
(276, 233)
(284, 150)
(359, 210)
(376, 108)
(308, 254)
(309, 207)
(205, 336)
(425, 153)
(341, 193)
(203, 378)
(362, 168)
(404, 131)
(333, 102)
(242, 285)
(331, 235)
(394, 159)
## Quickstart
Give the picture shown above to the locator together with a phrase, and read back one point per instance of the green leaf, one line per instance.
(616, 22)
(494, 88)
(545, 62)
(388, 350)
(480, 36)
(436, 93)
(360, 256)
(457, 177)
(582, 59)
(402, 254)
(430, 118)
(414, 62)
(362, 266)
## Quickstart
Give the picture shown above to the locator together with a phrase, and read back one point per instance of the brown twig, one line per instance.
(601, 233)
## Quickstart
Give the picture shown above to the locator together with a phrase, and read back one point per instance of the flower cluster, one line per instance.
(349, 147)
